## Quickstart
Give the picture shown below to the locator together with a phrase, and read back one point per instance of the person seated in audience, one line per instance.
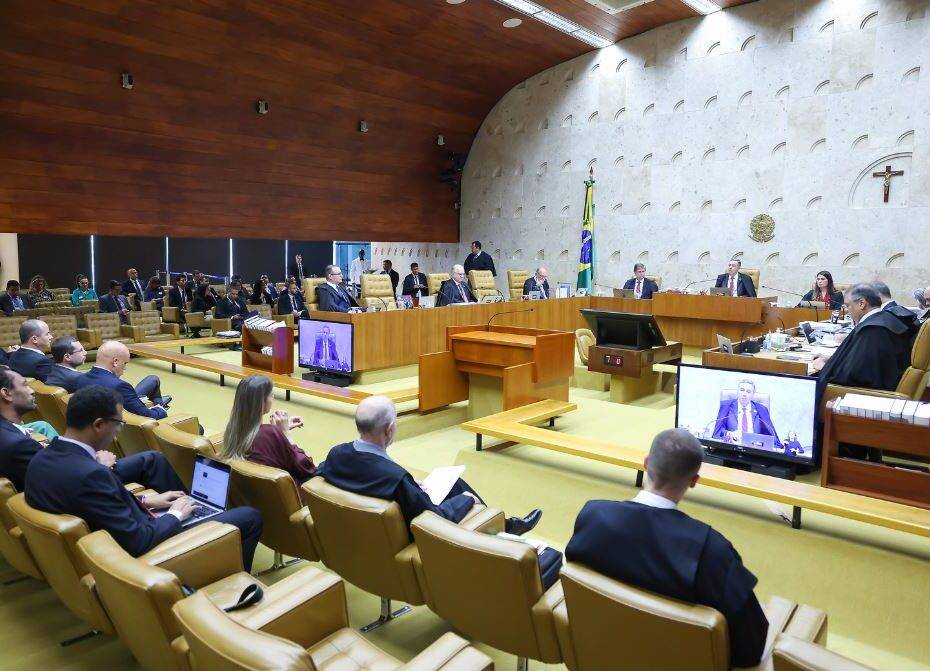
(13, 300)
(204, 298)
(642, 286)
(112, 359)
(17, 445)
(823, 291)
(649, 543)
(455, 289)
(177, 295)
(133, 285)
(907, 317)
(75, 475)
(232, 307)
(270, 444)
(30, 359)
(68, 354)
(154, 293)
(39, 292)
(364, 467)
(332, 294)
(270, 289)
(922, 296)
(415, 284)
(84, 292)
(736, 283)
(291, 302)
(260, 293)
(113, 301)
(539, 283)
(189, 287)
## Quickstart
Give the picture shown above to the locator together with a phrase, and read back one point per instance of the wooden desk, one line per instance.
(901, 485)
(631, 371)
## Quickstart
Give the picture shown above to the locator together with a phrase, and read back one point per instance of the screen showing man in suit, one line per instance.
(739, 418)
(325, 345)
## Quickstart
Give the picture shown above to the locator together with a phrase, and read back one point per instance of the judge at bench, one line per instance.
(735, 282)
(415, 284)
(456, 289)
(642, 286)
(743, 415)
(332, 295)
(539, 282)
(650, 544)
(324, 350)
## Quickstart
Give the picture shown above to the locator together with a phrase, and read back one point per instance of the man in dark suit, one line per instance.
(30, 359)
(735, 282)
(68, 354)
(650, 544)
(539, 283)
(70, 477)
(13, 300)
(744, 415)
(456, 289)
(332, 295)
(233, 307)
(642, 286)
(133, 285)
(291, 302)
(907, 317)
(297, 269)
(479, 260)
(113, 301)
(325, 352)
(177, 295)
(387, 268)
(415, 284)
(112, 358)
(270, 290)
(17, 446)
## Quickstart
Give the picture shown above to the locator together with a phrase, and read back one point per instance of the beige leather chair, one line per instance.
(9, 330)
(138, 593)
(314, 637)
(367, 542)
(64, 325)
(106, 326)
(433, 282)
(180, 448)
(148, 327)
(377, 292)
(482, 283)
(138, 433)
(48, 406)
(754, 276)
(515, 281)
(13, 545)
(488, 588)
(795, 654)
(288, 528)
(199, 320)
(172, 315)
(309, 291)
(604, 620)
(842, 288)
(584, 339)
(218, 325)
(658, 280)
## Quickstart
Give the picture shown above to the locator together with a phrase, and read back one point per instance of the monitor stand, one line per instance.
(745, 462)
(333, 379)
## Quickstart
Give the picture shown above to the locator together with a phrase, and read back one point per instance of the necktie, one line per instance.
(639, 288)
(745, 412)
(462, 291)
(732, 286)
(542, 290)
(300, 270)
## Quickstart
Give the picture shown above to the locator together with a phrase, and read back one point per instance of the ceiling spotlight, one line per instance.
(362, 126)
(126, 79)
(702, 6)
(512, 23)
(455, 2)
(441, 140)
(261, 106)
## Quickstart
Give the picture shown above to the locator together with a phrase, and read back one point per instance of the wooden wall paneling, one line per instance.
(59, 258)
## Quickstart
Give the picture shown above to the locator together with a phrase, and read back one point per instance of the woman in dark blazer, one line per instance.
(154, 293)
(824, 291)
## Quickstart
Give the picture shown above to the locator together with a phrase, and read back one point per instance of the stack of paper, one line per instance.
(879, 407)
(261, 324)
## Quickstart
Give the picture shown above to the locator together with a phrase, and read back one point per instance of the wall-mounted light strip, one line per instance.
(93, 264)
(167, 263)
(702, 6)
(557, 21)
(286, 258)
(230, 257)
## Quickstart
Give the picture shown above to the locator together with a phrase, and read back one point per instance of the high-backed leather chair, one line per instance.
(482, 283)
(515, 281)
(658, 280)
(604, 620)
(584, 339)
(309, 291)
(434, 282)
(842, 288)
(754, 276)
(217, 324)
(138, 433)
(172, 315)
(795, 654)
(9, 330)
(198, 321)
(62, 325)
(288, 528)
(48, 406)
(316, 637)
(488, 588)
(148, 327)
(181, 447)
(377, 292)
(367, 542)
(13, 545)
(106, 326)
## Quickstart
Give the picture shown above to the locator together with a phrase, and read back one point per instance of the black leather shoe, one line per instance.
(165, 401)
(521, 525)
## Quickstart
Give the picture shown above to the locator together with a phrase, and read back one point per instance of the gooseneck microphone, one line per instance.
(801, 296)
(709, 279)
(509, 312)
(783, 291)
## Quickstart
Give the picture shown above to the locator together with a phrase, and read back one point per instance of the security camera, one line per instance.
(362, 126)
(261, 107)
(126, 79)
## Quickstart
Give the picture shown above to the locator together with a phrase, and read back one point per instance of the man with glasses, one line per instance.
(68, 354)
(75, 475)
(456, 289)
(332, 294)
(112, 358)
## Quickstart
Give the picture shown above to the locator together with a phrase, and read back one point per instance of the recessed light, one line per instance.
(455, 2)
(512, 23)
(702, 6)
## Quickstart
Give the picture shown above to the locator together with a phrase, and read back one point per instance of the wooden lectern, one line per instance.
(497, 368)
(630, 370)
(281, 360)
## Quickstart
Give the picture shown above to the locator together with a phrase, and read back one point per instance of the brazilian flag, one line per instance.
(586, 261)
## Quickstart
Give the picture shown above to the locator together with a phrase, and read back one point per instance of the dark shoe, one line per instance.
(165, 401)
(521, 525)
(235, 348)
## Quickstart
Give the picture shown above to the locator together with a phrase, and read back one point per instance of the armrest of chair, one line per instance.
(217, 441)
(544, 617)
(200, 555)
(305, 607)
(483, 519)
(173, 329)
(134, 488)
(450, 653)
(170, 314)
(564, 633)
(137, 333)
(90, 338)
(221, 324)
(809, 624)
(186, 423)
(197, 319)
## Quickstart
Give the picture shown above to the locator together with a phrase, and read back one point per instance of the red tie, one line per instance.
(732, 284)
(462, 291)
(639, 287)
(745, 420)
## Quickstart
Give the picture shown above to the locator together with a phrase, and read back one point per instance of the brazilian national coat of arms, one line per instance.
(762, 228)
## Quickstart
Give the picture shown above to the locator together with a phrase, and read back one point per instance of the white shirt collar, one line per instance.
(371, 448)
(333, 285)
(654, 501)
(890, 300)
(869, 314)
(32, 349)
(87, 448)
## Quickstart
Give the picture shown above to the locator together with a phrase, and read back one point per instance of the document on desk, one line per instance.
(440, 480)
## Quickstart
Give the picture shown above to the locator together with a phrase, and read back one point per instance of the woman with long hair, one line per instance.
(38, 291)
(270, 444)
(259, 295)
(824, 291)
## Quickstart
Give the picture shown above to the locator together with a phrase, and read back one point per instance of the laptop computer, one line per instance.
(758, 440)
(624, 293)
(725, 344)
(209, 488)
(718, 291)
(427, 301)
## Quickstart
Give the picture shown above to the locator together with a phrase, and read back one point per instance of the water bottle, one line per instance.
(767, 343)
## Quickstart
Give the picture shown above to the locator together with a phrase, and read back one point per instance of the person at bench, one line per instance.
(539, 283)
(823, 291)
(650, 544)
(455, 289)
(270, 444)
(30, 359)
(735, 282)
(642, 286)
(112, 359)
(332, 295)
(744, 415)
(907, 317)
(68, 354)
(75, 475)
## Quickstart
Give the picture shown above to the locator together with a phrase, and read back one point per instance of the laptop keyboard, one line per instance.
(201, 511)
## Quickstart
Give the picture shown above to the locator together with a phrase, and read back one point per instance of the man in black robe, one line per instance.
(907, 317)
(479, 260)
(650, 544)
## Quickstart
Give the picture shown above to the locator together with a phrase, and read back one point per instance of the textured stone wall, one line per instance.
(784, 107)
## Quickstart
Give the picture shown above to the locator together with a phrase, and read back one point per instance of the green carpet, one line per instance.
(874, 583)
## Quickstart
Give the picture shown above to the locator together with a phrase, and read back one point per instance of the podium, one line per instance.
(696, 319)
(497, 368)
(281, 340)
(630, 370)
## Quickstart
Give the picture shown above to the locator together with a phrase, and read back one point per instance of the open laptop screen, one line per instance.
(211, 481)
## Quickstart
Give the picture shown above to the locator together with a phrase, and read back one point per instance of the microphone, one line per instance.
(813, 307)
(607, 286)
(709, 279)
(509, 312)
(783, 291)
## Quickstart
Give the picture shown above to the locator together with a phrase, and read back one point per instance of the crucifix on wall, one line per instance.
(887, 175)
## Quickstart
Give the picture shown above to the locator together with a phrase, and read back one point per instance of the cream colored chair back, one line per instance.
(107, 325)
(433, 282)
(48, 405)
(13, 544)
(655, 278)
(377, 291)
(584, 339)
(181, 448)
(515, 282)
(62, 325)
(9, 330)
(482, 283)
(753, 275)
(309, 290)
(916, 377)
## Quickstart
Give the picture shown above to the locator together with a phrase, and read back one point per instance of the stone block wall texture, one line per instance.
(784, 107)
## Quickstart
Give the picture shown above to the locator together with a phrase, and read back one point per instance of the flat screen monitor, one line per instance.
(626, 330)
(325, 346)
(762, 414)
